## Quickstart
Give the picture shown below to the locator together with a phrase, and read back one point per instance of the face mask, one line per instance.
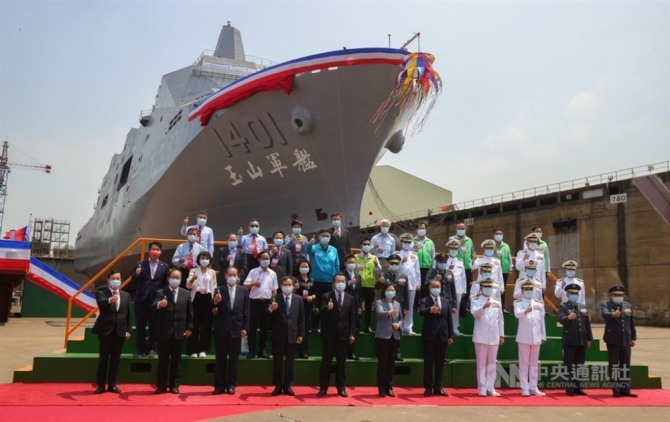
(498, 237)
(297, 230)
(366, 248)
(573, 298)
(265, 263)
(389, 294)
(385, 230)
(114, 283)
(254, 230)
(337, 223)
(202, 221)
(528, 294)
(532, 246)
(421, 232)
(339, 287)
(278, 241)
(486, 275)
(435, 291)
(394, 267)
(351, 267)
(204, 262)
(231, 281)
(406, 246)
(617, 299)
(175, 282)
(539, 235)
(192, 238)
(486, 291)
(488, 252)
(531, 273)
(460, 232)
(287, 290)
(154, 254)
(442, 266)
(453, 253)
(570, 273)
(232, 244)
(324, 240)
(304, 270)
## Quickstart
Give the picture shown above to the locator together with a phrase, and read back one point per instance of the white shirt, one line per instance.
(206, 235)
(455, 265)
(118, 301)
(204, 283)
(536, 256)
(496, 271)
(268, 281)
(186, 250)
(495, 292)
(383, 241)
(563, 295)
(537, 289)
(531, 325)
(409, 266)
(231, 293)
(489, 322)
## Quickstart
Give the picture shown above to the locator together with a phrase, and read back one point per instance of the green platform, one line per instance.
(79, 362)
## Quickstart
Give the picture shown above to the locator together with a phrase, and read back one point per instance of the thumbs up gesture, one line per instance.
(393, 312)
(274, 305)
(138, 270)
(114, 298)
(434, 309)
(163, 303)
(572, 315)
(617, 313)
(528, 309)
(330, 305)
(312, 241)
(186, 220)
(217, 298)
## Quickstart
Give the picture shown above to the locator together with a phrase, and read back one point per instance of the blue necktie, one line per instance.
(288, 304)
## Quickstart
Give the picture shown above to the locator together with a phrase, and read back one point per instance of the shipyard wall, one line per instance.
(625, 243)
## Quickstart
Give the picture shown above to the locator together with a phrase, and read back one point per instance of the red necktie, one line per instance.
(254, 246)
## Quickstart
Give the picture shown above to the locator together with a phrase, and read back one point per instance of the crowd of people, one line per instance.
(279, 290)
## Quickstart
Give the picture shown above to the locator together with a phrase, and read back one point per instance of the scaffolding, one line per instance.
(51, 238)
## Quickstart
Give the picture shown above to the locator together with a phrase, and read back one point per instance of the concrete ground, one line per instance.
(23, 338)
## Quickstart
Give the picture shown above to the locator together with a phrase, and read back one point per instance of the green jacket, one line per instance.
(426, 252)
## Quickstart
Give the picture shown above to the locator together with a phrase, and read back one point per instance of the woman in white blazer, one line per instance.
(202, 283)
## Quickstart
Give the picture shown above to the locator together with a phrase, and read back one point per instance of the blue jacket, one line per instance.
(325, 262)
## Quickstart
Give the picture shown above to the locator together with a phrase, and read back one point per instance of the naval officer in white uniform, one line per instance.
(530, 335)
(486, 273)
(531, 274)
(570, 267)
(456, 266)
(487, 335)
(532, 251)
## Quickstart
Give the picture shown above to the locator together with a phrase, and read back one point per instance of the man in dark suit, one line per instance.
(577, 337)
(231, 255)
(620, 336)
(339, 239)
(287, 319)
(150, 275)
(437, 334)
(354, 289)
(281, 258)
(112, 328)
(174, 314)
(338, 312)
(231, 322)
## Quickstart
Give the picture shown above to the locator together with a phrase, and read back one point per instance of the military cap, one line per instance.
(489, 244)
(527, 284)
(393, 257)
(617, 290)
(486, 283)
(486, 266)
(572, 288)
(406, 237)
(532, 237)
(441, 257)
(570, 265)
(453, 244)
(530, 265)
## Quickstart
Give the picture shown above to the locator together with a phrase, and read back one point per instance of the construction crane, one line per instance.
(5, 168)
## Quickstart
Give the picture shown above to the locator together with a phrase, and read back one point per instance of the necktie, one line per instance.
(118, 299)
(231, 293)
(437, 302)
(337, 232)
(339, 301)
(199, 234)
(254, 246)
(174, 296)
(287, 300)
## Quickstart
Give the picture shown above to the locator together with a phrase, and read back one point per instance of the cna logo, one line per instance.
(560, 376)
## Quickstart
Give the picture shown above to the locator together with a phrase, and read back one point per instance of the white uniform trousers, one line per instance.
(486, 366)
(529, 355)
(455, 317)
(409, 318)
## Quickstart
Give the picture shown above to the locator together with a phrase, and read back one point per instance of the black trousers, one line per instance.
(144, 313)
(309, 311)
(258, 320)
(202, 324)
(320, 288)
(434, 352)
(283, 355)
(573, 356)
(387, 348)
(169, 357)
(110, 356)
(368, 295)
(333, 347)
(227, 351)
(424, 292)
(619, 367)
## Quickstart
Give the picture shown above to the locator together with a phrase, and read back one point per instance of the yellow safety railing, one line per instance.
(142, 243)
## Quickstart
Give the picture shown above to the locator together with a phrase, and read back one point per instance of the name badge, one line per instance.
(583, 311)
(627, 311)
(298, 247)
(274, 262)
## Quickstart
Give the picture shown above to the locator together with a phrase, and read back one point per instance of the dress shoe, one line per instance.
(370, 331)
(390, 392)
(617, 393)
(537, 393)
(250, 356)
(525, 394)
(231, 390)
(160, 390)
(482, 392)
(440, 392)
(276, 391)
(194, 355)
(303, 355)
(174, 390)
(353, 356)
(289, 391)
(428, 392)
(264, 355)
(202, 355)
(218, 391)
(114, 389)
(152, 354)
(99, 390)
(569, 392)
(322, 392)
(628, 394)
(580, 392)
(398, 357)
(382, 393)
(493, 393)
(342, 392)
(138, 355)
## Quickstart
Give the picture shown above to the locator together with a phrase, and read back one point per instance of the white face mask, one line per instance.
(617, 299)
(528, 294)
(351, 267)
(297, 230)
(539, 235)
(304, 270)
(231, 281)
(202, 221)
(265, 263)
(192, 238)
(339, 287)
(232, 244)
(175, 282)
(204, 262)
(421, 232)
(394, 267)
(453, 253)
(287, 290)
(406, 246)
(385, 230)
(532, 246)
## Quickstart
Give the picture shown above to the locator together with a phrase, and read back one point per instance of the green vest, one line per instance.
(467, 256)
(366, 269)
(504, 257)
(425, 252)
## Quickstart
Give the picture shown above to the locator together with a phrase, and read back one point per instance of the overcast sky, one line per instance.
(534, 93)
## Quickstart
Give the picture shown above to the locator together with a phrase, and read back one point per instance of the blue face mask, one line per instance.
(265, 263)
(460, 233)
(114, 283)
(366, 248)
(232, 244)
(202, 221)
(435, 291)
(531, 273)
(324, 240)
(296, 230)
(287, 290)
(253, 230)
(337, 223)
(486, 291)
(304, 270)
(485, 275)
(498, 237)
(278, 241)
(384, 230)
(488, 252)
(570, 273)
(421, 232)
(573, 298)
(390, 294)
(453, 253)
(442, 266)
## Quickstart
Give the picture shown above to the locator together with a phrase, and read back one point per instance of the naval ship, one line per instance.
(241, 137)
